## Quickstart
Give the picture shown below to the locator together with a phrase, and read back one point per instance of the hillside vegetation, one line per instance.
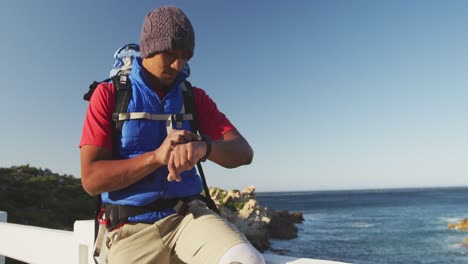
(39, 197)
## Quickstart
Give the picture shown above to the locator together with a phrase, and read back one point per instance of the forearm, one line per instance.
(100, 173)
(107, 175)
(231, 151)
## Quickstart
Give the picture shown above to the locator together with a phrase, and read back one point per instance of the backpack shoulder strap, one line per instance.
(189, 104)
(123, 92)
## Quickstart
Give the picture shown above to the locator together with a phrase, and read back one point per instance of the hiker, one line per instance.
(146, 176)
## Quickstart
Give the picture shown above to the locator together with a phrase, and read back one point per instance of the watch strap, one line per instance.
(207, 140)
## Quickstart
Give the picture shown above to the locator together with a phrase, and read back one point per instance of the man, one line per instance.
(156, 163)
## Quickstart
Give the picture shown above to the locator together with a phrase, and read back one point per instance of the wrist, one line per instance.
(207, 140)
(159, 158)
(156, 158)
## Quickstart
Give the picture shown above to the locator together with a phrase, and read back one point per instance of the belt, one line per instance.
(116, 214)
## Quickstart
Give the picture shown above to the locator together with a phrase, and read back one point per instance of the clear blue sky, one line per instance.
(330, 94)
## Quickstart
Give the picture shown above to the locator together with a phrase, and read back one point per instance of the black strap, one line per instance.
(207, 198)
(123, 91)
(117, 214)
(189, 102)
(97, 213)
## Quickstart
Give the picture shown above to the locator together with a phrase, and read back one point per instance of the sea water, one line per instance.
(376, 226)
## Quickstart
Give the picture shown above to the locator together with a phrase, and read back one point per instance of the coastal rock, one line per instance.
(282, 225)
(258, 223)
(461, 226)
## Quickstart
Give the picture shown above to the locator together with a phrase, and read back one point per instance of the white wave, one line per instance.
(451, 220)
(311, 217)
(361, 225)
(455, 243)
(458, 247)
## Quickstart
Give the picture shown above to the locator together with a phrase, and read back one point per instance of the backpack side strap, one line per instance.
(189, 104)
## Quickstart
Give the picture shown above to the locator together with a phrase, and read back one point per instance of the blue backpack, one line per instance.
(124, 58)
(122, 66)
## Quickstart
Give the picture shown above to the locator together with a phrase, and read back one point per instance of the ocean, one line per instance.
(376, 226)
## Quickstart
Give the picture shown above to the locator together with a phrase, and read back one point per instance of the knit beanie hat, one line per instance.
(166, 28)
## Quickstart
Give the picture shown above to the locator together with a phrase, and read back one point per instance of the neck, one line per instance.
(155, 82)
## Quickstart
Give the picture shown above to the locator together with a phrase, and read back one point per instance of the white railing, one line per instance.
(3, 219)
(41, 245)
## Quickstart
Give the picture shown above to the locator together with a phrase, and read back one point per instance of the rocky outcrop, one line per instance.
(282, 225)
(462, 225)
(259, 224)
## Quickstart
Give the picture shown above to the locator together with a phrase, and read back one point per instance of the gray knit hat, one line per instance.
(166, 28)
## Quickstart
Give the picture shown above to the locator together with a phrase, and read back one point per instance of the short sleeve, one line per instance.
(211, 121)
(97, 127)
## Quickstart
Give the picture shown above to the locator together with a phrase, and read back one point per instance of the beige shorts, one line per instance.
(201, 236)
